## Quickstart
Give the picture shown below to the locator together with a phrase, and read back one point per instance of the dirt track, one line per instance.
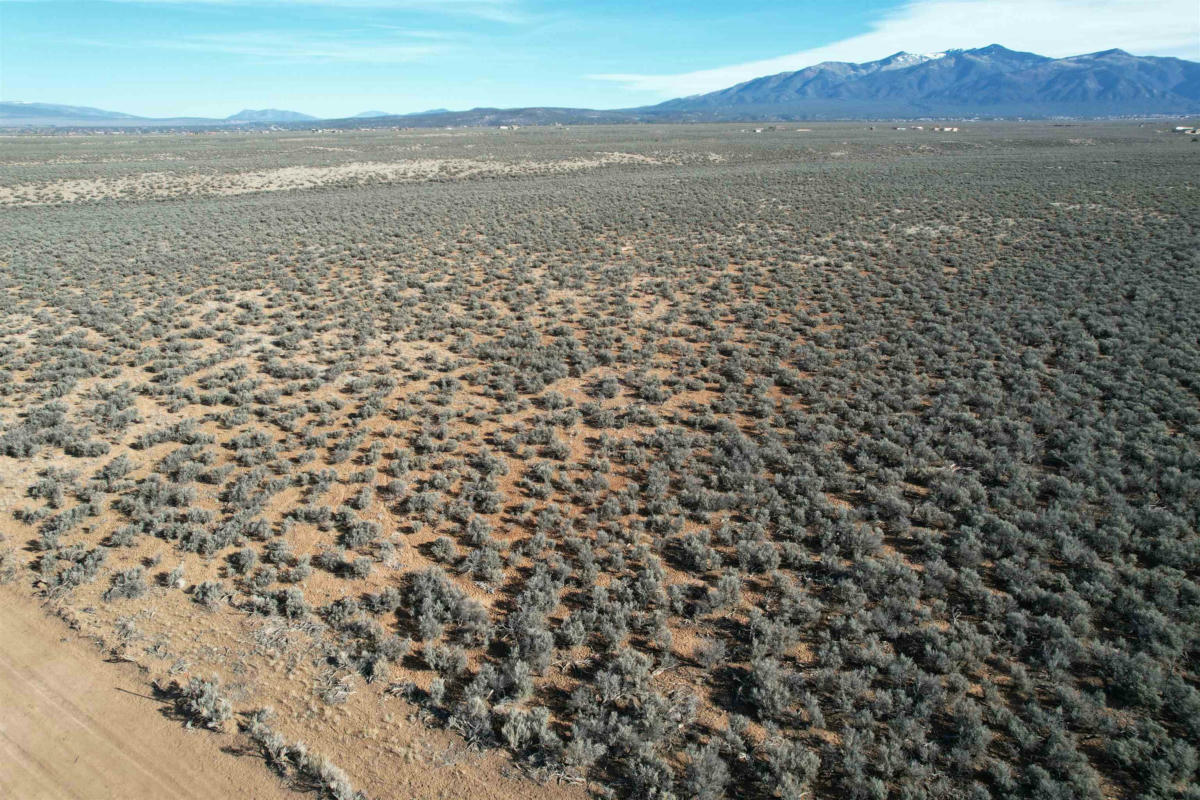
(73, 726)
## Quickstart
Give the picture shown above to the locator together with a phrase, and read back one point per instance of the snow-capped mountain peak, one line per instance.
(903, 60)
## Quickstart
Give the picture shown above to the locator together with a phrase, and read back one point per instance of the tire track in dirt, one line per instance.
(74, 727)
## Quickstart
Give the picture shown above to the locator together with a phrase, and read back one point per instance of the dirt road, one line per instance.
(74, 726)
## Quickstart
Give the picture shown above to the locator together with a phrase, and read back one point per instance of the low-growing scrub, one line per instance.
(836, 464)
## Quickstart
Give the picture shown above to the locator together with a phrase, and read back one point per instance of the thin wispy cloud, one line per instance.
(491, 10)
(353, 47)
(288, 46)
(1048, 27)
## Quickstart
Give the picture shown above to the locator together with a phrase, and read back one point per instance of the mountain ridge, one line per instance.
(269, 115)
(990, 80)
(987, 82)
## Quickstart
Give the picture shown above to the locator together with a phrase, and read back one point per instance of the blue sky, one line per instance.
(339, 57)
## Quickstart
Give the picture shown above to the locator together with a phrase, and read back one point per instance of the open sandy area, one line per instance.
(72, 726)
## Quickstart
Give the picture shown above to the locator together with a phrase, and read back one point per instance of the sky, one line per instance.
(333, 58)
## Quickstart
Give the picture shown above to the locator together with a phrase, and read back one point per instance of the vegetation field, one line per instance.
(632, 462)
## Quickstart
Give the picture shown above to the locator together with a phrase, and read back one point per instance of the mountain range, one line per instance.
(268, 115)
(990, 82)
(42, 114)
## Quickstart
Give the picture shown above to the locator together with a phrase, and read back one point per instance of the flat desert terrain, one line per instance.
(649, 461)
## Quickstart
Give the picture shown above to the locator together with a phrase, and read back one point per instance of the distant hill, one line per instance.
(268, 115)
(18, 114)
(992, 82)
(988, 81)
(50, 114)
(493, 117)
(17, 110)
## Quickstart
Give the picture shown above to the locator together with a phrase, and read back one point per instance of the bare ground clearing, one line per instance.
(72, 727)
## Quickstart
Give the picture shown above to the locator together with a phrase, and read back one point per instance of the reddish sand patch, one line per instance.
(72, 726)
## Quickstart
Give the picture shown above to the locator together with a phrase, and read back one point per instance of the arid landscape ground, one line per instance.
(75, 728)
(639, 461)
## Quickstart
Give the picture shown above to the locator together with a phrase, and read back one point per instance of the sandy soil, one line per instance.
(72, 726)
(167, 184)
